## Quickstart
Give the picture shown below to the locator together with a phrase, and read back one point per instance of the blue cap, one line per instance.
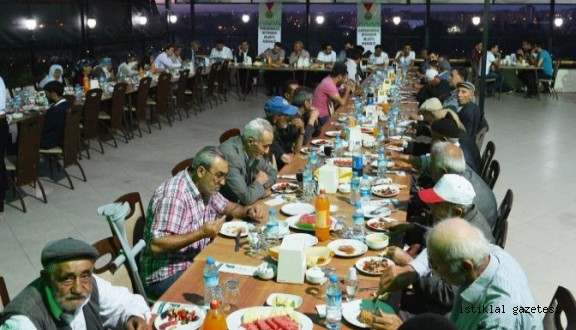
(333, 278)
(210, 261)
(279, 106)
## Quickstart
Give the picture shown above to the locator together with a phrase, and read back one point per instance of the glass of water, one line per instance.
(254, 239)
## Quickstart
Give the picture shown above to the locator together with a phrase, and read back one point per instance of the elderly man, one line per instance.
(288, 130)
(327, 56)
(68, 296)
(302, 99)
(250, 175)
(221, 52)
(298, 53)
(184, 214)
(491, 285)
(405, 57)
(470, 114)
(273, 79)
(327, 92)
(162, 62)
(435, 87)
(457, 75)
(379, 57)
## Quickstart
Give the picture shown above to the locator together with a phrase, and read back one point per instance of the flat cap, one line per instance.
(467, 85)
(431, 104)
(67, 249)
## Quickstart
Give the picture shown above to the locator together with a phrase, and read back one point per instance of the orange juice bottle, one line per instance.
(322, 228)
(141, 72)
(153, 69)
(215, 318)
(85, 83)
(375, 131)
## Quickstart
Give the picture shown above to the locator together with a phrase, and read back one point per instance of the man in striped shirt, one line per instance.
(184, 214)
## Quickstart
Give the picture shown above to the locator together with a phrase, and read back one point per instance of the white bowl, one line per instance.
(266, 271)
(315, 275)
(377, 241)
(344, 188)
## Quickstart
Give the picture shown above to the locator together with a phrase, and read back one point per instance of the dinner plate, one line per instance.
(189, 326)
(386, 190)
(395, 148)
(357, 248)
(321, 142)
(297, 208)
(230, 229)
(292, 221)
(342, 161)
(305, 150)
(368, 137)
(381, 213)
(400, 137)
(360, 263)
(376, 224)
(284, 300)
(234, 320)
(332, 133)
(306, 239)
(285, 188)
(367, 130)
(389, 164)
(353, 308)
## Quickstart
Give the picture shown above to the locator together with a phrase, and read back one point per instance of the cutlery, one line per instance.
(370, 288)
(378, 210)
(237, 246)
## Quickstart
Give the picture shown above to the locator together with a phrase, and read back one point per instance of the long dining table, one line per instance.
(253, 290)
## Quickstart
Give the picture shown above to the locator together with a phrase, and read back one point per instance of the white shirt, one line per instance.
(162, 61)
(225, 53)
(117, 305)
(489, 59)
(380, 60)
(330, 58)
(2, 97)
(352, 68)
(405, 59)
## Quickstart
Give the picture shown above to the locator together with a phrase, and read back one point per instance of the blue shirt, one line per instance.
(546, 62)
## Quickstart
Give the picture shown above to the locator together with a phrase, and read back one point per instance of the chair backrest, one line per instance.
(181, 90)
(228, 134)
(213, 75)
(223, 75)
(118, 103)
(563, 303)
(70, 98)
(109, 249)
(142, 98)
(4, 297)
(90, 113)
(556, 67)
(181, 166)
(197, 80)
(134, 221)
(28, 157)
(487, 156)
(163, 93)
(492, 174)
(500, 231)
(71, 139)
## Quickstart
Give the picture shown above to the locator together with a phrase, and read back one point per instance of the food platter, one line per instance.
(297, 208)
(285, 188)
(293, 223)
(231, 229)
(379, 224)
(237, 319)
(386, 190)
(172, 316)
(348, 248)
(352, 311)
(321, 142)
(342, 161)
(373, 265)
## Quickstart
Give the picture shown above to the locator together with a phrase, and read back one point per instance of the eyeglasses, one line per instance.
(218, 176)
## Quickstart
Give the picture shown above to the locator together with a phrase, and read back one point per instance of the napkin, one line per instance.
(236, 269)
(344, 174)
(287, 176)
(278, 200)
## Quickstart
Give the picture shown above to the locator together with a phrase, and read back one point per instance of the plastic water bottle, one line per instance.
(382, 164)
(357, 161)
(346, 131)
(355, 189)
(272, 224)
(210, 274)
(358, 222)
(308, 183)
(351, 283)
(338, 146)
(365, 188)
(333, 304)
(391, 126)
(313, 161)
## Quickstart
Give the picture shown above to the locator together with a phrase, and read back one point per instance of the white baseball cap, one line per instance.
(431, 74)
(452, 188)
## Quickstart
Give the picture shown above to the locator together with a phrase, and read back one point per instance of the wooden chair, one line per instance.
(114, 120)
(179, 96)
(68, 151)
(474, 65)
(197, 92)
(89, 126)
(109, 249)
(138, 113)
(211, 85)
(492, 174)
(228, 134)
(563, 303)
(161, 104)
(23, 169)
(182, 166)
(500, 230)
(4, 297)
(551, 82)
(487, 156)
(134, 221)
(222, 80)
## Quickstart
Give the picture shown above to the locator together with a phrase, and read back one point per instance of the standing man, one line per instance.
(184, 215)
(4, 138)
(274, 79)
(379, 58)
(250, 174)
(327, 92)
(221, 52)
(327, 56)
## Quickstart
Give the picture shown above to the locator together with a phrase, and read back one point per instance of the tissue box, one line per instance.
(291, 262)
(328, 178)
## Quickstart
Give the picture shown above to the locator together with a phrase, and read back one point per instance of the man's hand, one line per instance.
(397, 227)
(255, 212)
(211, 229)
(135, 323)
(314, 115)
(398, 255)
(396, 143)
(298, 123)
(395, 155)
(396, 278)
(261, 177)
(386, 321)
(287, 158)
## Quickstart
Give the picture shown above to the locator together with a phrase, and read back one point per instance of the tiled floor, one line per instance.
(533, 142)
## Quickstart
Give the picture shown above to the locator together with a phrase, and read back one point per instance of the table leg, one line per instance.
(536, 81)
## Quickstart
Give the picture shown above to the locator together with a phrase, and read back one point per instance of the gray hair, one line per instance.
(455, 240)
(301, 95)
(298, 42)
(453, 164)
(206, 156)
(255, 129)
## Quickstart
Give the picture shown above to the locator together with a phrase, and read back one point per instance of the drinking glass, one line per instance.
(215, 294)
(254, 239)
(231, 293)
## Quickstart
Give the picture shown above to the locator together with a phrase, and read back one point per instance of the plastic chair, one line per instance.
(487, 156)
(113, 121)
(4, 297)
(228, 134)
(563, 303)
(551, 82)
(23, 169)
(138, 113)
(90, 112)
(161, 104)
(109, 249)
(182, 166)
(500, 230)
(492, 174)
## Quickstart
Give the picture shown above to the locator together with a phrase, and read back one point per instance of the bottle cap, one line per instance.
(272, 212)
(214, 304)
(333, 278)
(322, 191)
(210, 261)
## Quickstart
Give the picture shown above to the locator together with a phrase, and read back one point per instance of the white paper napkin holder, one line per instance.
(291, 262)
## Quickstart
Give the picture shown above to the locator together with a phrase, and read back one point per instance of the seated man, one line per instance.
(273, 79)
(457, 75)
(544, 61)
(67, 295)
(53, 130)
(288, 89)
(492, 64)
(104, 69)
(327, 92)
(302, 99)
(379, 57)
(352, 64)
(184, 214)
(288, 130)
(434, 87)
(129, 68)
(491, 285)
(245, 77)
(470, 114)
(327, 56)
(250, 175)
(162, 62)
(344, 52)
(221, 52)
(405, 57)
(298, 53)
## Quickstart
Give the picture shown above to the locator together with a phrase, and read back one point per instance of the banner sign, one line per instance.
(368, 32)
(269, 25)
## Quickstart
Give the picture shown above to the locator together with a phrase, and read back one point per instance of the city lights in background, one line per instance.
(320, 19)
(91, 22)
(30, 24)
(475, 20)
